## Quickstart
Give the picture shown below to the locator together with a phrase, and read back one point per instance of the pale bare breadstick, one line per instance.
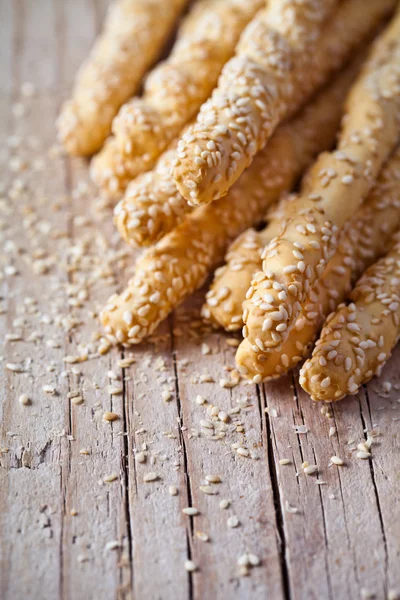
(285, 54)
(175, 90)
(357, 339)
(337, 184)
(112, 172)
(366, 239)
(152, 205)
(179, 263)
(133, 36)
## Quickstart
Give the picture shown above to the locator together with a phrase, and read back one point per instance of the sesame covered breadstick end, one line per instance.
(179, 263)
(152, 205)
(337, 184)
(284, 55)
(175, 89)
(112, 172)
(134, 34)
(358, 338)
(367, 237)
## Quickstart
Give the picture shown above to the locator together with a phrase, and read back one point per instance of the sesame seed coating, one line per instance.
(175, 89)
(367, 237)
(283, 56)
(325, 205)
(225, 298)
(179, 263)
(366, 331)
(112, 172)
(134, 33)
(152, 205)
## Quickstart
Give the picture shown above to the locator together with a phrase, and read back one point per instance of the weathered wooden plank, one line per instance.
(245, 481)
(69, 534)
(328, 536)
(36, 43)
(159, 528)
(78, 22)
(380, 411)
(74, 559)
(7, 46)
(30, 473)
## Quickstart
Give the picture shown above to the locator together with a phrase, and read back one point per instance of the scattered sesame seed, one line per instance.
(233, 522)
(110, 478)
(149, 477)
(191, 511)
(110, 416)
(24, 400)
(336, 460)
(364, 455)
(190, 566)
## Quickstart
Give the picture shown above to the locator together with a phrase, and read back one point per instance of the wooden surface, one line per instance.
(64, 532)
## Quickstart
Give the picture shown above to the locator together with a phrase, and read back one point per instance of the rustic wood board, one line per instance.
(64, 532)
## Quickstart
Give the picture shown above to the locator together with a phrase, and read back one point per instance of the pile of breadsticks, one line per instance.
(252, 96)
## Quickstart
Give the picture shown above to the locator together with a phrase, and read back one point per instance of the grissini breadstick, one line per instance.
(224, 300)
(175, 90)
(180, 262)
(152, 205)
(358, 338)
(112, 172)
(367, 237)
(134, 34)
(284, 55)
(337, 184)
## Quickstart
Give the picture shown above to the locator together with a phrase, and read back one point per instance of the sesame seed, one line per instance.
(233, 522)
(363, 455)
(190, 511)
(110, 416)
(336, 460)
(190, 566)
(149, 477)
(24, 400)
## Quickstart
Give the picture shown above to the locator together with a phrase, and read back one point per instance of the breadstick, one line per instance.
(112, 172)
(366, 239)
(284, 55)
(358, 338)
(153, 206)
(224, 300)
(175, 90)
(180, 262)
(337, 184)
(133, 36)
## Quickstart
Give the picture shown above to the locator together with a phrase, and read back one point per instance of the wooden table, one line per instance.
(77, 519)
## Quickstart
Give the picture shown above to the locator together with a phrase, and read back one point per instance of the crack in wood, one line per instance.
(373, 479)
(190, 529)
(278, 501)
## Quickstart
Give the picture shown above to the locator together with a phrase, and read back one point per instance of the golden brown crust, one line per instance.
(367, 237)
(337, 184)
(133, 33)
(152, 205)
(358, 338)
(285, 54)
(175, 89)
(180, 262)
